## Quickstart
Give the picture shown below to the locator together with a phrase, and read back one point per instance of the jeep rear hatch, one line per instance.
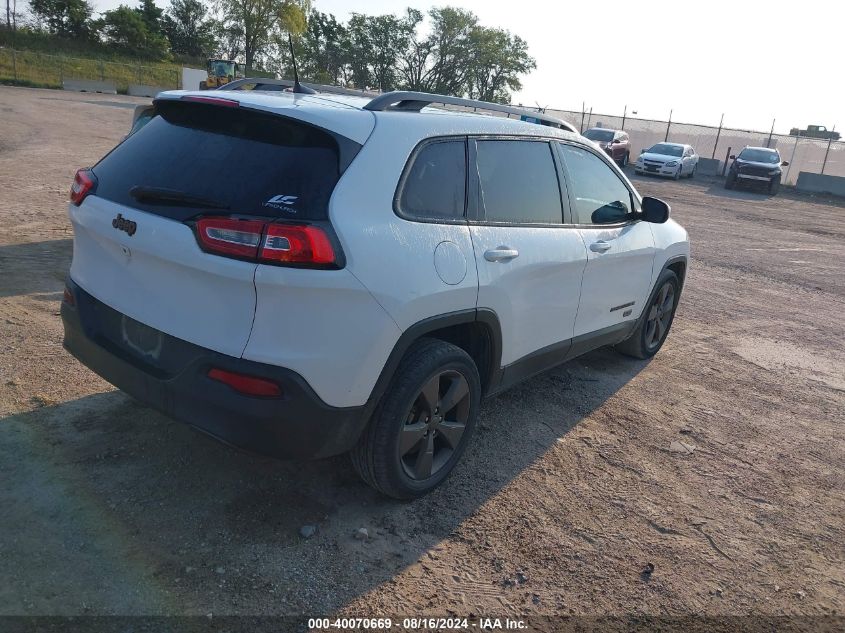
(228, 170)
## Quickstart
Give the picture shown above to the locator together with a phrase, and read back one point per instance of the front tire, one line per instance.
(679, 173)
(774, 185)
(730, 182)
(423, 423)
(654, 325)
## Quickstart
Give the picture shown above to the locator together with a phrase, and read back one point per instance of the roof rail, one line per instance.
(267, 83)
(415, 101)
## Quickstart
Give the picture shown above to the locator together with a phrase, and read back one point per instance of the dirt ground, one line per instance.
(569, 488)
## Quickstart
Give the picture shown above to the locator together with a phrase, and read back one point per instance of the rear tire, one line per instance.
(656, 320)
(422, 424)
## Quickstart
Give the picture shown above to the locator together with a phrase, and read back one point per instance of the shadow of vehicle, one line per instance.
(717, 188)
(125, 511)
(30, 268)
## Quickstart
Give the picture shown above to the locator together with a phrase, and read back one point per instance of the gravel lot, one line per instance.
(568, 491)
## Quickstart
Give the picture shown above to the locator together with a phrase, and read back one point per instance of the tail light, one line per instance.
(249, 385)
(83, 183)
(305, 245)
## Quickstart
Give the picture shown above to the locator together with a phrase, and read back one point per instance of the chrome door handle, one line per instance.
(600, 247)
(501, 254)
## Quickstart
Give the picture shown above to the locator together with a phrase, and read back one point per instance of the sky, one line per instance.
(753, 60)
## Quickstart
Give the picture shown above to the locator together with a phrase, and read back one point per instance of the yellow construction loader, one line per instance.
(220, 72)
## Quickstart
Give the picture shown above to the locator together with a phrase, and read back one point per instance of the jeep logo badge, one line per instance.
(122, 224)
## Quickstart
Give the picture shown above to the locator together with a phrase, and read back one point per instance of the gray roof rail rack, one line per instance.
(415, 101)
(268, 83)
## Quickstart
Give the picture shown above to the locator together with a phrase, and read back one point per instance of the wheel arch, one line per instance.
(476, 331)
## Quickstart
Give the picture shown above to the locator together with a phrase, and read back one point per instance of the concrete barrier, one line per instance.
(820, 183)
(708, 166)
(141, 90)
(88, 85)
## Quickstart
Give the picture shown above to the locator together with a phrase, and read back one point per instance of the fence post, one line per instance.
(590, 116)
(583, 108)
(624, 113)
(102, 71)
(827, 151)
(176, 72)
(14, 64)
(727, 158)
(668, 125)
(139, 74)
(792, 159)
(772, 131)
(718, 134)
(61, 71)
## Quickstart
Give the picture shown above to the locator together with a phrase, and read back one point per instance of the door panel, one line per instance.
(620, 249)
(617, 275)
(529, 274)
(535, 294)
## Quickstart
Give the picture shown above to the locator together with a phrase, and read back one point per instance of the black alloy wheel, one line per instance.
(434, 425)
(660, 315)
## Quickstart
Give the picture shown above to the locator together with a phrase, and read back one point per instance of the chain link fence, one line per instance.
(803, 154)
(49, 71)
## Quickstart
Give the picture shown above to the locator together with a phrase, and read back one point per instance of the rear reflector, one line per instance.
(249, 385)
(83, 184)
(67, 297)
(226, 103)
(267, 242)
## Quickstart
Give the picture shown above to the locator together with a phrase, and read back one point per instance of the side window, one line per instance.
(519, 182)
(434, 186)
(599, 196)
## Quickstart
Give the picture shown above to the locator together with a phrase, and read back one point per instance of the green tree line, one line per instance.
(447, 50)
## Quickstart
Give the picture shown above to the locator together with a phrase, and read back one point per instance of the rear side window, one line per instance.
(434, 186)
(519, 182)
(248, 162)
(599, 196)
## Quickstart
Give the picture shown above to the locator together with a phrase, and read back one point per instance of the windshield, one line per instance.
(224, 69)
(599, 135)
(666, 149)
(759, 156)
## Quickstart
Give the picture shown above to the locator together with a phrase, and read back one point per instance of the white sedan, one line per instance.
(667, 159)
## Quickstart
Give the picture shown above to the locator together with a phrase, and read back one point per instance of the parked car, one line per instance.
(668, 159)
(615, 142)
(756, 165)
(296, 275)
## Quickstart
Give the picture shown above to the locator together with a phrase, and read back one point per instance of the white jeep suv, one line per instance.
(306, 275)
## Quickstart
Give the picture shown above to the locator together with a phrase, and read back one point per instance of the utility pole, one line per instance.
(668, 125)
(718, 134)
(772, 131)
(583, 107)
(624, 112)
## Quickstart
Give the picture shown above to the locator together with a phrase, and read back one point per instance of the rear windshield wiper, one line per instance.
(173, 197)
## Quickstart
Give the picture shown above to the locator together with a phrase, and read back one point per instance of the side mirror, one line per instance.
(784, 163)
(654, 210)
(642, 151)
(733, 157)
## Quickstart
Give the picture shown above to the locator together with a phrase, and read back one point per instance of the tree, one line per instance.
(499, 60)
(258, 23)
(67, 18)
(125, 28)
(188, 29)
(151, 15)
(321, 50)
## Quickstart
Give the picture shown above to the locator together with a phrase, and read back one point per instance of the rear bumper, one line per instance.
(297, 425)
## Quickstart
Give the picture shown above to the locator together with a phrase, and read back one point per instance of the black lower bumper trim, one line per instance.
(299, 425)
